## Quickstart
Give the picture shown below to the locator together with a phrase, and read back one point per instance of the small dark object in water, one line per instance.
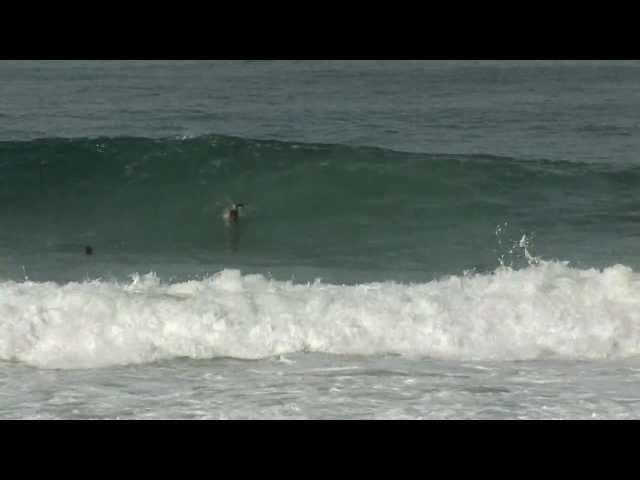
(88, 250)
(233, 213)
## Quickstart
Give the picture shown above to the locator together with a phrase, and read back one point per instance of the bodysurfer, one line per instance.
(231, 217)
(233, 214)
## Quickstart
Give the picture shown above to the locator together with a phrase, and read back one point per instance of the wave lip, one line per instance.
(548, 310)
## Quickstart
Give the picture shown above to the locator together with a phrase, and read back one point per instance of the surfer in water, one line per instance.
(231, 217)
(233, 214)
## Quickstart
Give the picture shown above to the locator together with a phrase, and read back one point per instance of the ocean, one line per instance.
(420, 240)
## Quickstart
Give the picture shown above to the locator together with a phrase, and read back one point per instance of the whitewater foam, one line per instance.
(545, 310)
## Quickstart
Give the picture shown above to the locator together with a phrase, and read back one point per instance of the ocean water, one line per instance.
(424, 239)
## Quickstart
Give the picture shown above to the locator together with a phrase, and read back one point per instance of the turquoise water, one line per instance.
(343, 213)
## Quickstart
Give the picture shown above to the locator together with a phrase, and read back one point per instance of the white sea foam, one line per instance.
(545, 310)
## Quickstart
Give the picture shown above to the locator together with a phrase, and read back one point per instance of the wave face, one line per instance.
(548, 310)
(322, 205)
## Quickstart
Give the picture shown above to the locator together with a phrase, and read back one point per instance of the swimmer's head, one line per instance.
(232, 214)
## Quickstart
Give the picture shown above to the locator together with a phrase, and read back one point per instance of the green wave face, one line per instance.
(307, 204)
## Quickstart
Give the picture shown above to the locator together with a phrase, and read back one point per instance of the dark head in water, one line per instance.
(233, 213)
(88, 250)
